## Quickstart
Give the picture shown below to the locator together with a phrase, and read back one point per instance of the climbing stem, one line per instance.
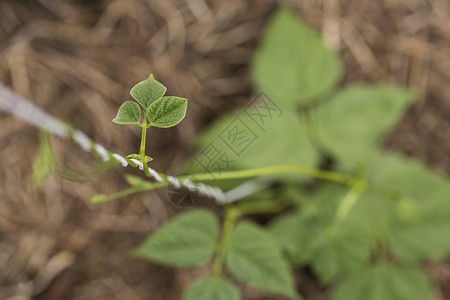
(326, 175)
(358, 186)
(142, 147)
(231, 216)
(143, 136)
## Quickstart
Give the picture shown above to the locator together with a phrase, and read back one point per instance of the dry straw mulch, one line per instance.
(78, 60)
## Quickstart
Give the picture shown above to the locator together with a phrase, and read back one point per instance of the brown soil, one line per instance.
(78, 60)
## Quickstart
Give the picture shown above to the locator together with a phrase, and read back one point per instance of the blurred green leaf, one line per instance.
(44, 161)
(420, 199)
(309, 237)
(296, 236)
(212, 288)
(292, 65)
(339, 255)
(167, 111)
(236, 141)
(255, 258)
(385, 282)
(185, 241)
(129, 113)
(148, 91)
(354, 121)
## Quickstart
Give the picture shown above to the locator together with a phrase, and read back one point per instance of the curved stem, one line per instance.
(231, 216)
(359, 185)
(326, 175)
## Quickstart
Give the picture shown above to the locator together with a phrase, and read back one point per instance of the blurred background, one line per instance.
(78, 60)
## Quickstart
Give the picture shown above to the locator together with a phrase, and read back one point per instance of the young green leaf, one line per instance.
(167, 112)
(385, 282)
(292, 65)
(255, 258)
(185, 241)
(129, 113)
(354, 121)
(212, 288)
(148, 91)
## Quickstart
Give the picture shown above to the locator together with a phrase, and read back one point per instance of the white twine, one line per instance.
(120, 159)
(102, 152)
(27, 111)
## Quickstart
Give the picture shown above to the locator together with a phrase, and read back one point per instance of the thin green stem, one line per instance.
(130, 191)
(143, 137)
(347, 203)
(142, 147)
(359, 185)
(326, 175)
(231, 216)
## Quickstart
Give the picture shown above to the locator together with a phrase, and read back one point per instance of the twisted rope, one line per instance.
(25, 110)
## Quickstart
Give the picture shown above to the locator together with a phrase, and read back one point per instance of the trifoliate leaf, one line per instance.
(167, 112)
(129, 113)
(148, 91)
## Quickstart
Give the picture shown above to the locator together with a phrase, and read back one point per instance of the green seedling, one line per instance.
(157, 110)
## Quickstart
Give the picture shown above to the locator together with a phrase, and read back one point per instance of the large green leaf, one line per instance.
(167, 111)
(212, 288)
(292, 65)
(129, 113)
(295, 236)
(354, 121)
(339, 255)
(187, 240)
(236, 141)
(148, 91)
(255, 258)
(310, 236)
(420, 199)
(385, 282)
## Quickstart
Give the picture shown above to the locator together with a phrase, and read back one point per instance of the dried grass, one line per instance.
(78, 60)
